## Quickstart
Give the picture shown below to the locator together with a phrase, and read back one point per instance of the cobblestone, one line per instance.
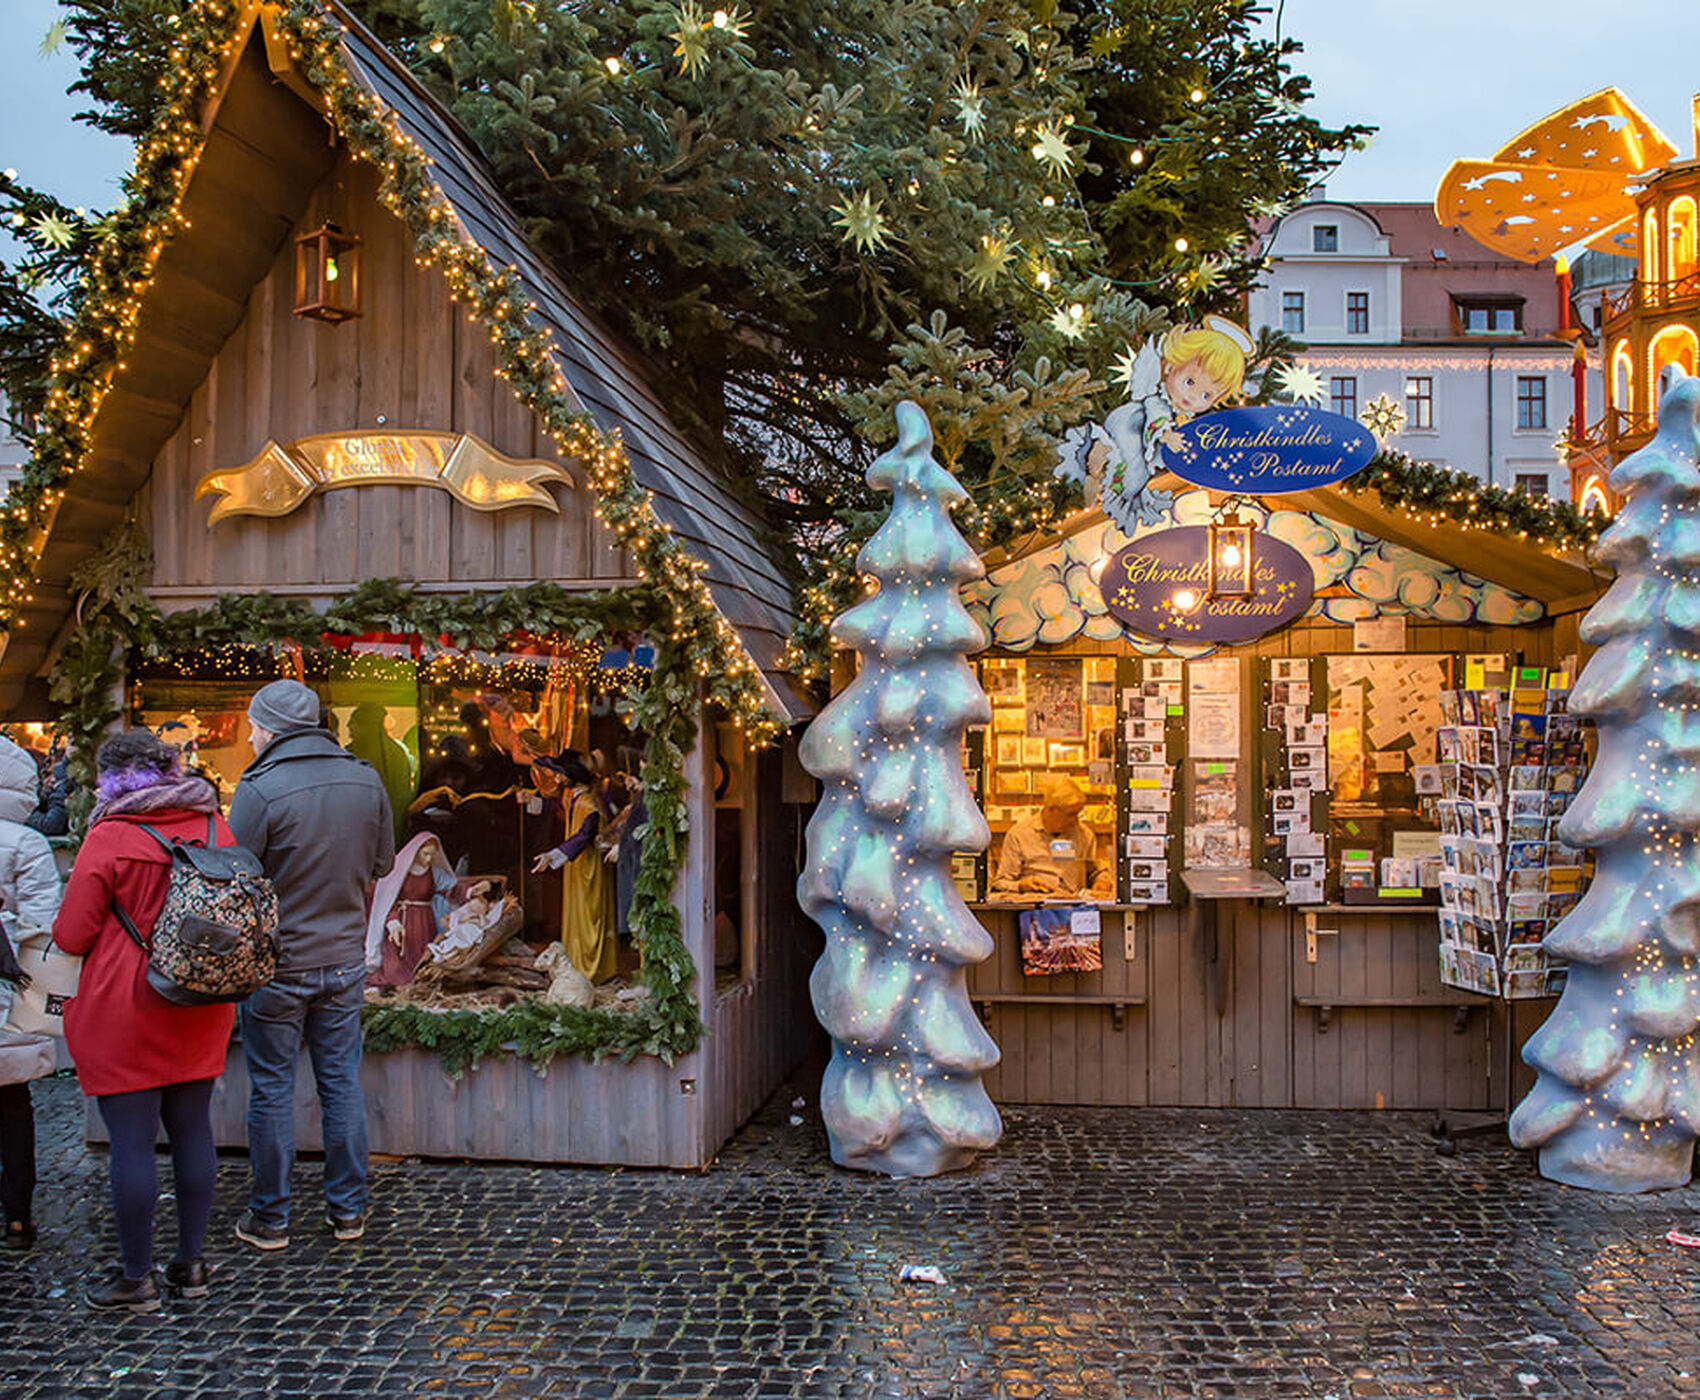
(1105, 1254)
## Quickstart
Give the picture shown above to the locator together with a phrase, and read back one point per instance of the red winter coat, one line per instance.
(123, 1035)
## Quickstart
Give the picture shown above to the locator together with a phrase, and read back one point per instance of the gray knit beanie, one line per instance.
(283, 707)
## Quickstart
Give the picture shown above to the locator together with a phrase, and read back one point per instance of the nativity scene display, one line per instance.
(517, 800)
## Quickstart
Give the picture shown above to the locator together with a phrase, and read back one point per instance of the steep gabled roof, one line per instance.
(264, 152)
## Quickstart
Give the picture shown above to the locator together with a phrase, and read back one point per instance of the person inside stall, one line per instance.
(1049, 852)
(369, 738)
(587, 886)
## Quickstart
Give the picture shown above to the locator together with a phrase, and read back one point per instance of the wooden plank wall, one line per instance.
(596, 1114)
(1227, 1032)
(758, 1031)
(413, 360)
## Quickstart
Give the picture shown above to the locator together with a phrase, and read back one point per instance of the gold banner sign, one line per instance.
(473, 472)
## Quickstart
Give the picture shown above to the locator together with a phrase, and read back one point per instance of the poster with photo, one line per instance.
(1004, 682)
(1056, 707)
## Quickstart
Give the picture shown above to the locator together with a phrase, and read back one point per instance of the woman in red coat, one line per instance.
(144, 1060)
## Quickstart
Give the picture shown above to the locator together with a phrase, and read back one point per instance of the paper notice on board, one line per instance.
(1213, 726)
(1379, 633)
(1220, 675)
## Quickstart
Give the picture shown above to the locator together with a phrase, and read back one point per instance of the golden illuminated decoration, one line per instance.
(327, 274)
(1231, 557)
(1570, 178)
(473, 472)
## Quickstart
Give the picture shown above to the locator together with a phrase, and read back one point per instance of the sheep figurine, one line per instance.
(567, 985)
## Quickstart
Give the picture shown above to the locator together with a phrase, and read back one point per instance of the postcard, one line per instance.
(1147, 824)
(1289, 669)
(1306, 843)
(1304, 892)
(1288, 800)
(1147, 847)
(1289, 823)
(1306, 758)
(1149, 799)
(1162, 668)
(1290, 693)
(1307, 735)
(1309, 780)
(1149, 892)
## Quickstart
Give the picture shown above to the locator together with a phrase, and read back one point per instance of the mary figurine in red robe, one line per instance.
(410, 906)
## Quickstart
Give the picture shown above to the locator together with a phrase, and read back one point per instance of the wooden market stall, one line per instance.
(1238, 992)
(342, 374)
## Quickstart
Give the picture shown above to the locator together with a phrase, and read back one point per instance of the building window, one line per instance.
(1419, 401)
(1532, 483)
(1490, 317)
(1357, 313)
(1531, 401)
(1325, 238)
(1343, 395)
(1293, 313)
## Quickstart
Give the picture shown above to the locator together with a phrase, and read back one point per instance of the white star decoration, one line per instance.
(1051, 149)
(1299, 383)
(1382, 417)
(970, 107)
(864, 226)
(1124, 366)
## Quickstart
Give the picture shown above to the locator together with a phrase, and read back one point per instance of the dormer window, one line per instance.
(1325, 238)
(1488, 315)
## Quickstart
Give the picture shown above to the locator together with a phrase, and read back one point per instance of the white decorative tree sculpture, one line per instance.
(1616, 1106)
(902, 1094)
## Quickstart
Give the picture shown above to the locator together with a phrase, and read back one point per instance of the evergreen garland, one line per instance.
(1422, 489)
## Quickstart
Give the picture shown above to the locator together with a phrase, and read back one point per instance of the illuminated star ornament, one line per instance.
(50, 228)
(1051, 150)
(1205, 276)
(1069, 321)
(1299, 383)
(1124, 369)
(864, 226)
(1382, 417)
(991, 260)
(690, 44)
(970, 107)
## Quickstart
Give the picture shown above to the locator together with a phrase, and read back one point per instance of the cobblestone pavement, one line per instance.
(1099, 1252)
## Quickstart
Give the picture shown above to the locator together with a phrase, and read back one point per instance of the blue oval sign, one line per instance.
(1267, 451)
(1158, 586)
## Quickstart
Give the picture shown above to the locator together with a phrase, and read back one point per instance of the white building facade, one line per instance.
(1392, 306)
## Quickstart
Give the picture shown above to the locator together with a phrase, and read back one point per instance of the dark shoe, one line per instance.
(187, 1280)
(261, 1235)
(347, 1227)
(19, 1236)
(120, 1294)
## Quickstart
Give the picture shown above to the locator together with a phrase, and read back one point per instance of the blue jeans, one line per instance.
(320, 1006)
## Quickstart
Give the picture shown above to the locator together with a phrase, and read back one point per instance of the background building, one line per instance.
(1466, 344)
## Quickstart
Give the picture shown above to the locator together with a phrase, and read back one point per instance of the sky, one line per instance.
(1446, 79)
(1441, 78)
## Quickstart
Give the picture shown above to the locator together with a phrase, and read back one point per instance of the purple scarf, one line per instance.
(156, 792)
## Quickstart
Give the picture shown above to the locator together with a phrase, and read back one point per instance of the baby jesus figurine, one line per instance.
(410, 907)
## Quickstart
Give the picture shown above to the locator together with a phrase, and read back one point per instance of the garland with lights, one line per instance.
(1441, 495)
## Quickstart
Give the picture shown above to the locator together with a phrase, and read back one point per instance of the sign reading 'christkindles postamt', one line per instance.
(1159, 586)
(1267, 451)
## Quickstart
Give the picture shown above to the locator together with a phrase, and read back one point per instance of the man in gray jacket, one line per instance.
(319, 820)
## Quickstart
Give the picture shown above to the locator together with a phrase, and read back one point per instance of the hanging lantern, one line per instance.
(327, 274)
(1230, 567)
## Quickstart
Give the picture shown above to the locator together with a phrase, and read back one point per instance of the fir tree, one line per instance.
(768, 195)
(1616, 1106)
(902, 1094)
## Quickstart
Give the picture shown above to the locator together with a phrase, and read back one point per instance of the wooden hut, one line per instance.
(348, 365)
(1228, 992)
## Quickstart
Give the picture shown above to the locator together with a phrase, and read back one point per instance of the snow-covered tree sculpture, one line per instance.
(1616, 1106)
(902, 1094)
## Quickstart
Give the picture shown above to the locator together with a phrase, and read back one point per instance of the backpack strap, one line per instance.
(168, 842)
(129, 925)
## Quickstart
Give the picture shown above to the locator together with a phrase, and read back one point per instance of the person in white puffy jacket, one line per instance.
(29, 898)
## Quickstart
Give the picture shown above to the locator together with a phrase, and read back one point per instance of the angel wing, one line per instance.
(1147, 373)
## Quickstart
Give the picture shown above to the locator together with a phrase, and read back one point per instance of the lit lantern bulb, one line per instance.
(1231, 555)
